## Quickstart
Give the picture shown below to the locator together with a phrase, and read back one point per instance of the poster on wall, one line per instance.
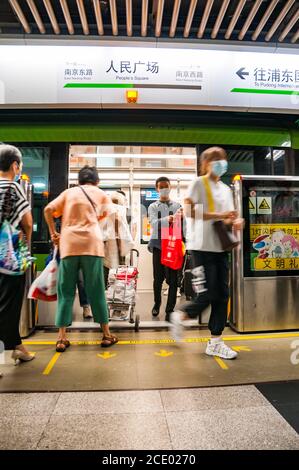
(274, 247)
(273, 228)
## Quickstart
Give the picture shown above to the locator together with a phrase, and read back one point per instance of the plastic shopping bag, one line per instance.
(15, 256)
(45, 286)
(121, 292)
(172, 246)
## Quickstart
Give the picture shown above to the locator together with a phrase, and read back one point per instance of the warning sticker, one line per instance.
(264, 205)
(259, 230)
(252, 205)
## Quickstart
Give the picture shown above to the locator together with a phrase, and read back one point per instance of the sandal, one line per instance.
(108, 341)
(66, 343)
(62, 345)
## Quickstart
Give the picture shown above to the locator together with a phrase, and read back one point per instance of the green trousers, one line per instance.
(92, 268)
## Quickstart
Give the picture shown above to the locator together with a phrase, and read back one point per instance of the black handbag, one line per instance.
(224, 232)
(227, 239)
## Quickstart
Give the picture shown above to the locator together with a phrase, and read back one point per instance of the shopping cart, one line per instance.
(121, 292)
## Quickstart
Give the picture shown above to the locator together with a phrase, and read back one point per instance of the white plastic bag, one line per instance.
(45, 285)
(121, 292)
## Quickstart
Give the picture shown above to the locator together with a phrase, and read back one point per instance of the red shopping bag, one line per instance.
(172, 246)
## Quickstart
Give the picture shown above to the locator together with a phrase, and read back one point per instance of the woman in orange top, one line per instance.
(81, 247)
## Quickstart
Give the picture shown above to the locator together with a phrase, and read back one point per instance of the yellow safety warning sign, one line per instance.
(252, 205)
(264, 205)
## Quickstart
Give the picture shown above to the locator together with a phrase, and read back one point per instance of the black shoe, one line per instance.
(155, 311)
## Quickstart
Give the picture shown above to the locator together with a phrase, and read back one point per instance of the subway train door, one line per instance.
(133, 170)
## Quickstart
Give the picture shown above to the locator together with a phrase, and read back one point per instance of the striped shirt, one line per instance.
(13, 202)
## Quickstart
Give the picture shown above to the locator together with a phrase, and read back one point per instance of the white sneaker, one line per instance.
(220, 349)
(176, 325)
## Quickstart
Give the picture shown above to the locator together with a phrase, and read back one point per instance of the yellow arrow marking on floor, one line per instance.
(221, 363)
(164, 353)
(107, 355)
(241, 348)
(51, 364)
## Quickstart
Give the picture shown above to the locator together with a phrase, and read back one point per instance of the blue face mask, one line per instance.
(219, 167)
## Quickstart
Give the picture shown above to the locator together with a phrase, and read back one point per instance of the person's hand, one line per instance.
(55, 237)
(229, 215)
(179, 213)
(238, 224)
(170, 219)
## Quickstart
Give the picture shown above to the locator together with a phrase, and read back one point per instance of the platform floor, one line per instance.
(150, 360)
(236, 417)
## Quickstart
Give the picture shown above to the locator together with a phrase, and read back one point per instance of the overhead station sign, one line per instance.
(91, 75)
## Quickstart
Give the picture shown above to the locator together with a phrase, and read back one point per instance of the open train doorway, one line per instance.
(133, 170)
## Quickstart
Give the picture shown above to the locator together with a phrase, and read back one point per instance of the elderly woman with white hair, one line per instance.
(117, 235)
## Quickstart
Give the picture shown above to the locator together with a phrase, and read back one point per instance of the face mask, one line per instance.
(18, 176)
(219, 167)
(164, 192)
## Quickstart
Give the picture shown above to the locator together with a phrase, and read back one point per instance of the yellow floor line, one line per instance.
(52, 363)
(202, 339)
(221, 363)
(39, 343)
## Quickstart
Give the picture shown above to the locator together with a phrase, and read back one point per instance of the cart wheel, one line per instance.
(131, 315)
(137, 322)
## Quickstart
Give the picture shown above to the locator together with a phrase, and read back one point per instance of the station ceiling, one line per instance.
(241, 21)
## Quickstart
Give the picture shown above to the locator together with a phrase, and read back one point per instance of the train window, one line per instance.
(119, 164)
(36, 166)
(254, 160)
(123, 157)
(279, 158)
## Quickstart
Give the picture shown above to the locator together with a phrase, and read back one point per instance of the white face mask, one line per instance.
(164, 192)
(219, 167)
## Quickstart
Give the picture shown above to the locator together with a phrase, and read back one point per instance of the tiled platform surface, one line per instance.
(237, 417)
